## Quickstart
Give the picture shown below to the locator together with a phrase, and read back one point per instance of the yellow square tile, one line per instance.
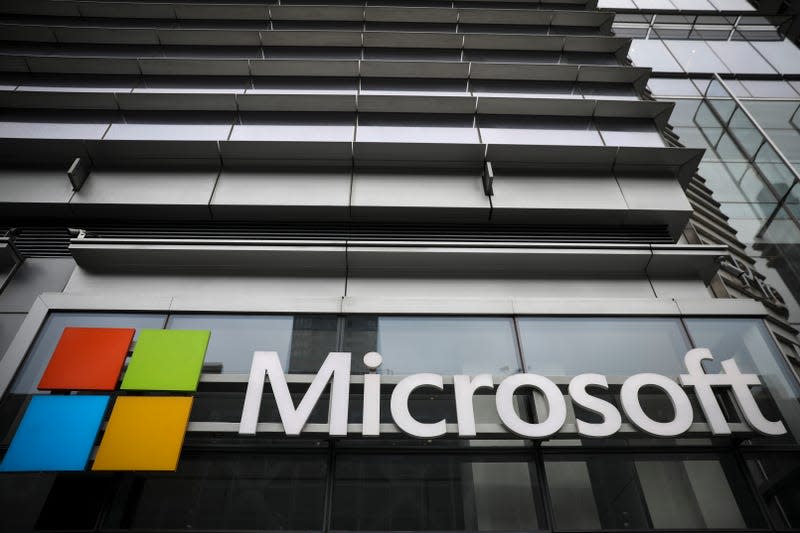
(144, 433)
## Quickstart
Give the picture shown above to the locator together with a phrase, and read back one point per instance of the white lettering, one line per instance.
(612, 420)
(680, 403)
(556, 406)
(465, 388)
(399, 406)
(336, 369)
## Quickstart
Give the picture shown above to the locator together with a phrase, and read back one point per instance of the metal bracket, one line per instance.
(488, 178)
(78, 172)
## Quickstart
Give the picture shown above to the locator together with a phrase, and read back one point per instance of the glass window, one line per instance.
(783, 55)
(649, 492)
(225, 491)
(31, 372)
(769, 89)
(444, 345)
(741, 57)
(777, 481)
(234, 338)
(302, 342)
(653, 54)
(434, 492)
(696, 56)
(748, 342)
(610, 346)
(772, 114)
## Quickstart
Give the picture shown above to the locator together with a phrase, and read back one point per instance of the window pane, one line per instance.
(649, 492)
(747, 341)
(441, 492)
(222, 491)
(444, 345)
(234, 338)
(610, 346)
(777, 481)
(31, 372)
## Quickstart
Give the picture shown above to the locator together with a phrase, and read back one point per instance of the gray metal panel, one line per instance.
(106, 35)
(417, 104)
(9, 325)
(412, 40)
(558, 199)
(297, 102)
(40, 7)
(11, 63)
(60, 152)
(174, 101)
(34, 186)
(57, 100)
(199, 11)
(501, 71)
(196, 67)
(110, 191)
(116, 151)
(478, 41)
(505, 16)
(316, 12)
(289, 194)
(311, 38)
(528, 261)
(414, 69)
(83, 65)
(599, 159)
(678, 162)
(208, 37)
(410, 14)
(299, 67)
(210, 258)
(126, 9)
(536, 106)
(10, 31)
(403, 152)
(277, 150)
(418, 195)
(33, 277)
(699, 263)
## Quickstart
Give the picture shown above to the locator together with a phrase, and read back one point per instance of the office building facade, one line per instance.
(467, 242)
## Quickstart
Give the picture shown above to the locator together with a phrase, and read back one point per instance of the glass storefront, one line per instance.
(631, 481)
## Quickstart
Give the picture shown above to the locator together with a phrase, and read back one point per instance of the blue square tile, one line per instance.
(56, 434)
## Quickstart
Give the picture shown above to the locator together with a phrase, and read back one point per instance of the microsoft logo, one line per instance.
(144, 431)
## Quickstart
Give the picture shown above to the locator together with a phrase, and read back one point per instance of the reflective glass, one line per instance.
(394, 492)
(444, 345)
(776, 478)
(31, 371)
(748, 342)
(225, 491)
(696, 57)
(649, 492)
(610, 346)
(235, 338)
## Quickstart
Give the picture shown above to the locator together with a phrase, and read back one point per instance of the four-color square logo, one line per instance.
(144, 431)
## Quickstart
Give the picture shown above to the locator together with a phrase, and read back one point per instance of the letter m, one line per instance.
(336, 368)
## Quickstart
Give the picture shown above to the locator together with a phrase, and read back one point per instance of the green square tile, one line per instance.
(166, 360)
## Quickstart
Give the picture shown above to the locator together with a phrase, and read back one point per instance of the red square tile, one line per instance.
(87, 359)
